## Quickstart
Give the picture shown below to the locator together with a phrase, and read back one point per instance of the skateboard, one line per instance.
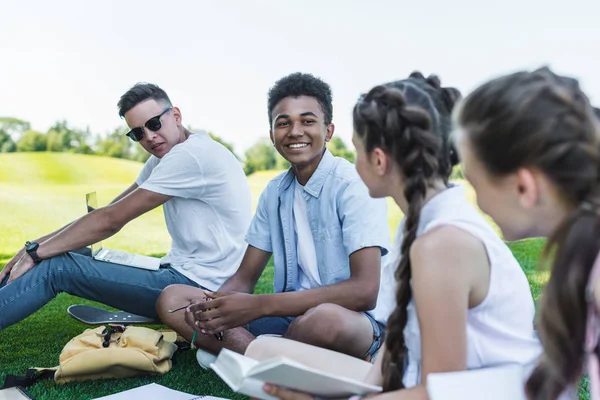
(97, 316)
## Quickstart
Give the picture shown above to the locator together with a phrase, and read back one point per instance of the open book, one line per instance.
(247, 376)
(495, 383)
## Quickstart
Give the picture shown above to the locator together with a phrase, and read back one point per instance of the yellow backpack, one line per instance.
(112, 351)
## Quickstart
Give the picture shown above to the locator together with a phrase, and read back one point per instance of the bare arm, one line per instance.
(126, 192)
(17, 257)
(253, 264)
(56, 232)
(227, 310)
(102, 223)
(358, 293)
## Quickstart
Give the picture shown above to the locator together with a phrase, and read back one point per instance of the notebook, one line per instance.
(117, 256)
(154, 391)
(495, 383)
(247, 376)
(14, 393)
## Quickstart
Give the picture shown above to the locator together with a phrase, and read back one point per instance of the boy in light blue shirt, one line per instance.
(327, 237)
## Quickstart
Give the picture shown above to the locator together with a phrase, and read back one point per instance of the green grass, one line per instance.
(40, 192)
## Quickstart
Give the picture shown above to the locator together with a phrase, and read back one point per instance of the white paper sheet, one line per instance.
(155, 391)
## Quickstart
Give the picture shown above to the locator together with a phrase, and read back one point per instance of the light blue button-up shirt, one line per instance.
(343, 218)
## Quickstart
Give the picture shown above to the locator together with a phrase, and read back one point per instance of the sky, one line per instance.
(72, 60)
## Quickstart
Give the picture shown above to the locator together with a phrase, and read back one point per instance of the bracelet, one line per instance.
(193, 343)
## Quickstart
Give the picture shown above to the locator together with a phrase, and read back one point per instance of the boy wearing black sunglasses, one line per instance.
(207, 206)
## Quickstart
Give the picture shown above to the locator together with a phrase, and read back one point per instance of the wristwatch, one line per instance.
(31, 249)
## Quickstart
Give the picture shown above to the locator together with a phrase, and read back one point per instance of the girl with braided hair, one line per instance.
(530, 144)
(461, 300)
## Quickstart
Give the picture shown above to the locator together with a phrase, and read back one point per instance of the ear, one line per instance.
(329, 133)
(380, 161)
(528, 188)
(177, 114)
(271, 137)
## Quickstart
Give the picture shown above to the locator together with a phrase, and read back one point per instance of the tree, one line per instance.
(260, 157)
(14, 127)
(62, 138)
(7, 144)
(223, 142)
(115, 144)
(8, 147)
(54, 141)
(338, 148)
(280, 162)
(32, 141)
(216, 138)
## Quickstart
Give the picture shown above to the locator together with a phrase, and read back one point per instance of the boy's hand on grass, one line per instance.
(11, 263)
(225, 311)
(20, 268)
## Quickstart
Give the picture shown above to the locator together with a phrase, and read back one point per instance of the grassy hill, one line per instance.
(65, 169)
(41, 192)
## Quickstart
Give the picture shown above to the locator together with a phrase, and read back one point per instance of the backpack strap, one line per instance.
(31, 376)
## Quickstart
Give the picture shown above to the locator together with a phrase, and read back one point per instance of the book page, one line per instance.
(287, 373)
(155, 391)
(232, 367)
(495, 383)
(254, 388)
(13, 393)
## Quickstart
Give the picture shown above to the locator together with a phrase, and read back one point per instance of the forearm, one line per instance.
(125, 193)
(237, 283)
(249, 272)
(349, 294)
(52, 234)
(91, 228)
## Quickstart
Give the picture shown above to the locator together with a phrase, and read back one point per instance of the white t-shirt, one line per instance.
(210, 210)
(308, 272)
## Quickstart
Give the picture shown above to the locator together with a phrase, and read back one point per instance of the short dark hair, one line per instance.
(141, 91)
(301, 84)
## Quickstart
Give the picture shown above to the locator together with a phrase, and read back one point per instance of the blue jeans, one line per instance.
(130, 289)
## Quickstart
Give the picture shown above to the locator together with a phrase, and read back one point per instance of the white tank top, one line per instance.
(500, 329)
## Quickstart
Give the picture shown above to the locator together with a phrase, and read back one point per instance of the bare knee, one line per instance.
(172, 297)
(321, 326)
(263, 348)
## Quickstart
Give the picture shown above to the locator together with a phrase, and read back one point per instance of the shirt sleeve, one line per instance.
(364, 219)
(259, 233)
(147, 170)
(178, 174)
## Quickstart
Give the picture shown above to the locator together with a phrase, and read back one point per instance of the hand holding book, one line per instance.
(248, 376)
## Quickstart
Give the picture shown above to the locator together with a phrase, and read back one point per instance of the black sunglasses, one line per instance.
(137, 134)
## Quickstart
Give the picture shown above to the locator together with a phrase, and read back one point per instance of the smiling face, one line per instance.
(299, 132)
(160, 142)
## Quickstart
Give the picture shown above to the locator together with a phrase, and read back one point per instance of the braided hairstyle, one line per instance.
(411, 120)
(544, 121)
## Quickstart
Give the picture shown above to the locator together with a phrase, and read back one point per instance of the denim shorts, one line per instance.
(280, 325)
